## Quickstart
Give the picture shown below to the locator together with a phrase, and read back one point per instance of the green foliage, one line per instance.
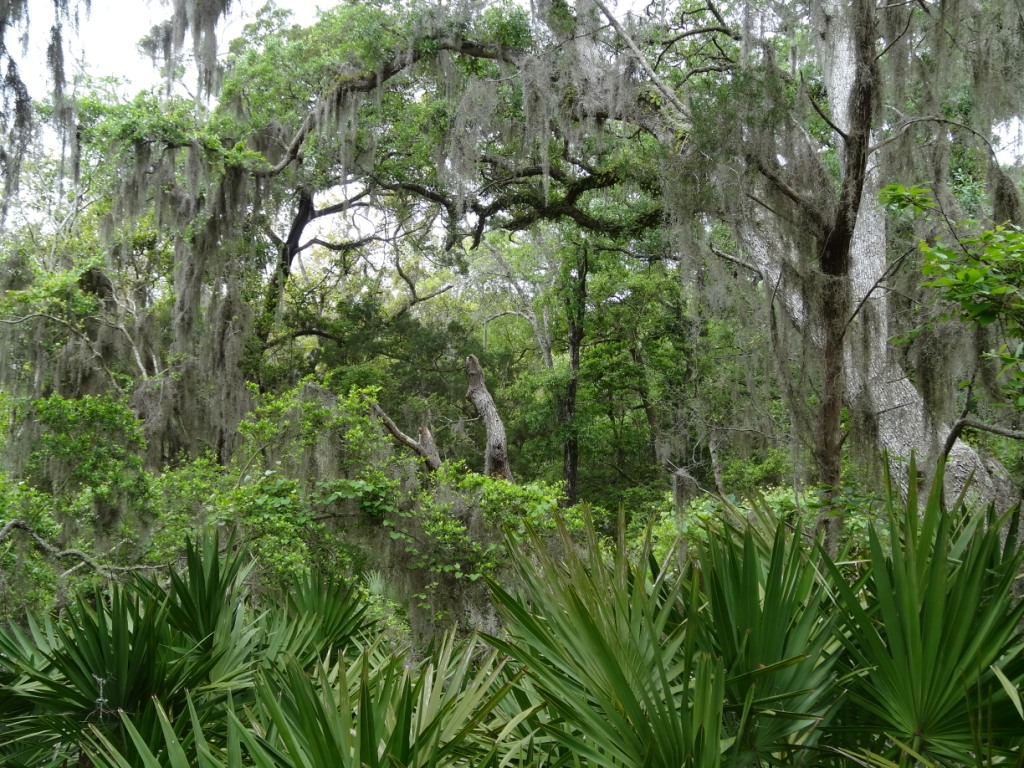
(167, 122)
(982, 276)
(183, 503)
(454, 528)
(90, 449)
(126, 662)
(610, 652)
(373, 712)
(909, 657)
(373, 492)
(55, 292)
(897, 198)
(756, 649)
(276, 520)
(768, 619)
(925, 628)
(747, 475)
(507, 25)
(704, 517)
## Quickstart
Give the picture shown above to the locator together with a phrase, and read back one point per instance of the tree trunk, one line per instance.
(286, 252)
(496, 462)
(847, 49)
(575, 313)
(650, 413)
(684, 490)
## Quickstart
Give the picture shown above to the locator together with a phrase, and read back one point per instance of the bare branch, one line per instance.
(348, 245)
(888, 271)
(910, 18)
(906, 124)
(682, 114)
(496, 461)
(103, 569)
(966, 423)
(425, 447)
(738, 262)
(821, 112)
(704, 31)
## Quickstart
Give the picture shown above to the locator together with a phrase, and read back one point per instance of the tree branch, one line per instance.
(966, 423)
(348, 83)
(425, 447)
(738, 262)
(821, 113)
(105, 570)
(682, 114)
(807, 207)
(888, 271)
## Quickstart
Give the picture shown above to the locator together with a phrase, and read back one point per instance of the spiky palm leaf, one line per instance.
(108, 655)
(319, 620)
(769, 620)
(926, 628)
(439, 713)
(612, 650)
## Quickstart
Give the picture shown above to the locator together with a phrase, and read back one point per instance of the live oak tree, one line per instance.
(195, 19)
(384, 139)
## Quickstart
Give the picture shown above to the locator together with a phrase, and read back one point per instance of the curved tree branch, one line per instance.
(967, 423)
(352, 83)
(425, 447)
(105, 570)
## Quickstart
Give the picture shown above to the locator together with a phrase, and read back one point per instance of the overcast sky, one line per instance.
(108, 37)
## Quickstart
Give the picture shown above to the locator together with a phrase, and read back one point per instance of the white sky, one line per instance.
(109, 35)
(107, 45)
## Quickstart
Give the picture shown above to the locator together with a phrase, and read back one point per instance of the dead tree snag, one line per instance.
(496, 463)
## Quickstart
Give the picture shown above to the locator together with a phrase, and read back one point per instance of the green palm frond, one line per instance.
(924, 630)
(609, 648)
(768, 618)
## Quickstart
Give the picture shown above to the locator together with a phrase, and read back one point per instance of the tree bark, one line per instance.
(496, 461)
(425, 447)
(846, 32)
(850, 323)
(575, 314)
(286, 252)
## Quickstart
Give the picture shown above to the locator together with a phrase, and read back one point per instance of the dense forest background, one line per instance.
(430, 316)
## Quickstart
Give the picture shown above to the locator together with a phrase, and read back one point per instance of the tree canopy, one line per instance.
(692, 247)
(626, 337)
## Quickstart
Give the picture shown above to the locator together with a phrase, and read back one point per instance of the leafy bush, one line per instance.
(89, 456)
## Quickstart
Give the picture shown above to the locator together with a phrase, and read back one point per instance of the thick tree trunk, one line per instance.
(875, 381)
(835, 304)
(846, 32)
(878, 384)
(496, 462)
